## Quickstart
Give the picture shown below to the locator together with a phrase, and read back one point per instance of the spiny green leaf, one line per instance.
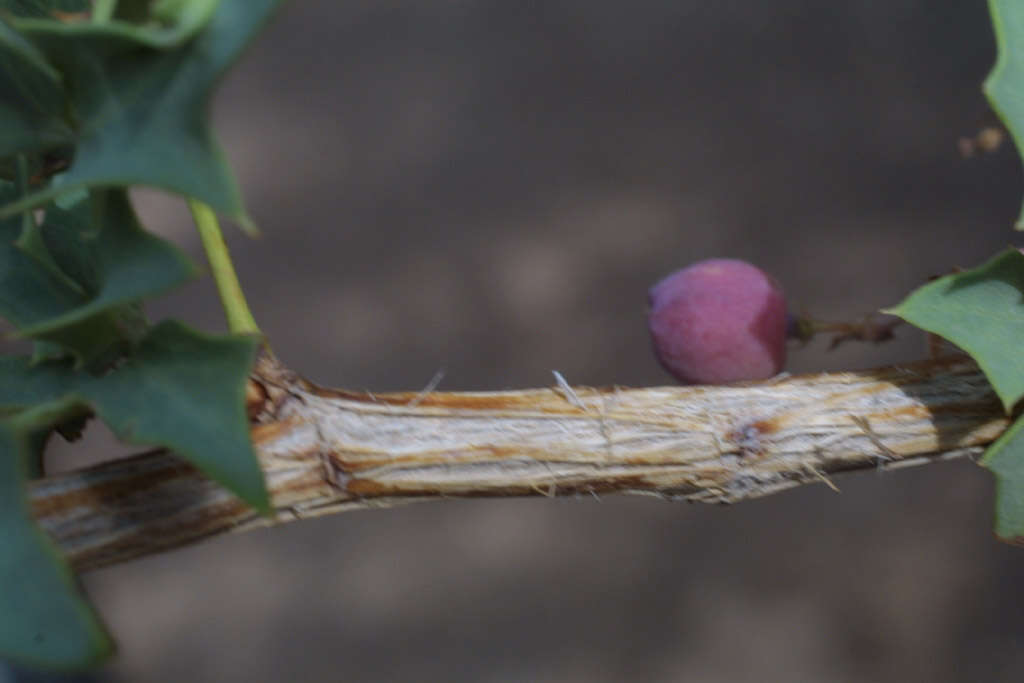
(32, 103)
(143, 110)
(99, 264)
(181, 390)
(186, 391)
(44, 619)
(25, 385)
(1005, 458)
(1005, 84)
(32, 293)
(981, 311)
(22, 248)
(101, 246)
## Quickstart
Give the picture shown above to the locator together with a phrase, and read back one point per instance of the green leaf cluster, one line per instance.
(96, 97)
(982, 310)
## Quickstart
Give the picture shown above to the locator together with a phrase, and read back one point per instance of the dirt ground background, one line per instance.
(490, 187)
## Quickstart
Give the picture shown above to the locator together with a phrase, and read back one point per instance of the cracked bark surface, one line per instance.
(325, 451)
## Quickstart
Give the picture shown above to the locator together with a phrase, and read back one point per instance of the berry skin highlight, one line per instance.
(718, 321)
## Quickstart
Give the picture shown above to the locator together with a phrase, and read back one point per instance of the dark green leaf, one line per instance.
(181, 390)
(31, 293)
(43, 8)
(24, 384)
(143, 109)
(186, 391)
(180, 19)
(1005, 85)
(100, 245)
(1005, 458)
(981, 311)
(44, 619)
(134, 11)
(32, 104)
(99, 264)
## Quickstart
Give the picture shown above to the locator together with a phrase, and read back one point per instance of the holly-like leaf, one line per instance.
(101, 246)
(981, 311)
(32, 293)
(186, 391)
(142, 106)
(181, 390)
(1005, 458)
(32, 103)
(1005, 84)
(100, 263)
(24, 384)
(44, 619)
(29, 291)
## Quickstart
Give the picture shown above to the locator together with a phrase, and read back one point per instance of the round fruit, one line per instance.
(718, 321)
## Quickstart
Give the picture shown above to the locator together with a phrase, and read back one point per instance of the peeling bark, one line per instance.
(326, 451)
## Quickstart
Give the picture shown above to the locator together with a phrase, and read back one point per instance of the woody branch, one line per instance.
(326, 451)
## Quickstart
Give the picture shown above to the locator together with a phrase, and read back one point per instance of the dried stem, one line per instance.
(326, 451)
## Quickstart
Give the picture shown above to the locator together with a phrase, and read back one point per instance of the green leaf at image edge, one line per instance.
(180, 390)
(32, 103)
(148, 124)
(982, 311)
(1005, 84)
(1005, 458)
(44, 619)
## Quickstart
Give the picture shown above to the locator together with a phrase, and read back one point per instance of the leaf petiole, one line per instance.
(240, 320)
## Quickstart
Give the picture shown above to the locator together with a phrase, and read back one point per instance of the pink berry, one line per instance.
(718, 321)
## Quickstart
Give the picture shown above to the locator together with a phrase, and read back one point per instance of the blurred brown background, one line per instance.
(490, 187)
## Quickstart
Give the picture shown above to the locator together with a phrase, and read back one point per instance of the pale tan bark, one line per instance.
(326, 451)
